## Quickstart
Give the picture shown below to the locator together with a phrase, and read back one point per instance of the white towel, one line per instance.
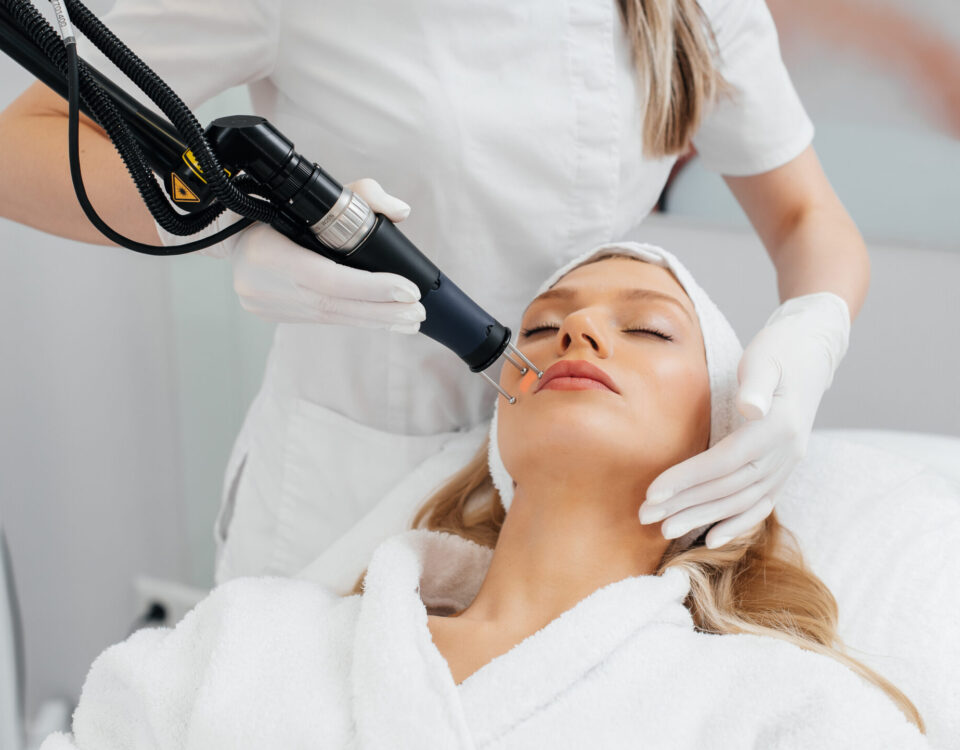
(280, 663)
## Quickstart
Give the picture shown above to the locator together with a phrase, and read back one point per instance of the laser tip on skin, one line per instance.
(523, 370)
(510, 399)
(527, 381)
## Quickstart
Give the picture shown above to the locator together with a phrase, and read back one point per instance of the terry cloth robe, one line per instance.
(270, 663)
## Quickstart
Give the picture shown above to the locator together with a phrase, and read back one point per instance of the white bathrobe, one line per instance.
(266, 663)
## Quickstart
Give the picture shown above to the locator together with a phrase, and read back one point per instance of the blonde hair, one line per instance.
(673, 46)
(757, 583)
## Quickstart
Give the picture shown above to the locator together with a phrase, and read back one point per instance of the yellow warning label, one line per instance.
(191, 161)
(181, 193)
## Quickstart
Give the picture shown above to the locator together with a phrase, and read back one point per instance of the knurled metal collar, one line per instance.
(346, 224)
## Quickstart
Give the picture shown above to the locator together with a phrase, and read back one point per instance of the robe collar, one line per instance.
(403, 691)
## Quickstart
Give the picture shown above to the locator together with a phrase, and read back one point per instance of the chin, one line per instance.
(568, 436)
(560, 408)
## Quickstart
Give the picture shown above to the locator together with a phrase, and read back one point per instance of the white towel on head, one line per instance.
(722, 347)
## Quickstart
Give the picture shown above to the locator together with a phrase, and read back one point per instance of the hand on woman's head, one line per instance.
(650, 347)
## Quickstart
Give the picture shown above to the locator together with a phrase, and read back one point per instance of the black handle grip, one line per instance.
(453, 319)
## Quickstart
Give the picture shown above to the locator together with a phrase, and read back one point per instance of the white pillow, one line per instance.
(940, 452)
(883, 533)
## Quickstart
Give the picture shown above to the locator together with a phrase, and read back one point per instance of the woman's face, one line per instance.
(659, 414)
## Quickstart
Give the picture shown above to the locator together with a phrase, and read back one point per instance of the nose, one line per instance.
(579, 330)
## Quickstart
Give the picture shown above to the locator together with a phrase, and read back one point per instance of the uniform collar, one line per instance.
(404, 693)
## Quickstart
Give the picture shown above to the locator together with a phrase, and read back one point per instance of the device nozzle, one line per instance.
(523, 370)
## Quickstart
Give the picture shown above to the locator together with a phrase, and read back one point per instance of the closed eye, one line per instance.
(526, 332)
(654, 331)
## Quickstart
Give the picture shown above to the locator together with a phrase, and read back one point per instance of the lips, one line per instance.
(578, 368)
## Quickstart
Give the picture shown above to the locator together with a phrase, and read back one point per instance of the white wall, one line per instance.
(898, 183)
(887, 154)
(90, 472)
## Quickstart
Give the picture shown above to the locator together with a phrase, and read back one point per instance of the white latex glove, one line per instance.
(783, 375)
(283, 282)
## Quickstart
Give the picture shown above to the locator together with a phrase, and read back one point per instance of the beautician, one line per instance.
(520, 133)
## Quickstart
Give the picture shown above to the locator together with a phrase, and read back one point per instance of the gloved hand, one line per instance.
(281, 281)
(783, 375)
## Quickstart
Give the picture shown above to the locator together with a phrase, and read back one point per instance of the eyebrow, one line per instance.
(625, 294)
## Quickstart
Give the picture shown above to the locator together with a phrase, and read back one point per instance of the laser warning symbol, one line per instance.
(181, 193)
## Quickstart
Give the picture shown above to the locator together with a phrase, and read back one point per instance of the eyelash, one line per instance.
(530, 331)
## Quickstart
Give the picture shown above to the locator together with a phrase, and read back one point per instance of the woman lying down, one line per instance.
(528, 607)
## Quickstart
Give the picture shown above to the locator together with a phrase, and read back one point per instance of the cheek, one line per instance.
(509, 424)
(685, 402)
(673, 397)
(513, 383)
(528, 381)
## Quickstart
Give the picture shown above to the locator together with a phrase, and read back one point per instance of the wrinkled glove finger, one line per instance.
(332, 279)
(714, 511)
(323, 306)
(286, 313)
(749, 442)
(267, 253)
(725, 486)
(759, 375)
(725, 508)
(739, 524)
(379, 199)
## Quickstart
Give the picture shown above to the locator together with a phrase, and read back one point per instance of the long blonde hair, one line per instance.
(757, 583)
(673, 49)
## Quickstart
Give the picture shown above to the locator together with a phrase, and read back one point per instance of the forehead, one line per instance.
(626, 270)
(610, 276)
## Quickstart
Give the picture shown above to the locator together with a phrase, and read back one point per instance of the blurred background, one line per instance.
(881, 82)
(125, 378)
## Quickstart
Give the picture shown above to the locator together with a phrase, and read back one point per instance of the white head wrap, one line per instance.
(722, 348)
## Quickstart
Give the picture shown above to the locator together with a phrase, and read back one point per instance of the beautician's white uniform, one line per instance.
(514, 131)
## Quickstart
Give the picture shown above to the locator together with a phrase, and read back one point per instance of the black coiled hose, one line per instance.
(173, 107)
(82, 84)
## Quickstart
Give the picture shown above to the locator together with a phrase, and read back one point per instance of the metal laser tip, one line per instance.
(510, 399)
(521, 355)
(512, 361)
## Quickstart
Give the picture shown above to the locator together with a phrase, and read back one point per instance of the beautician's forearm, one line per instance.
(35, 184)
(823, 252)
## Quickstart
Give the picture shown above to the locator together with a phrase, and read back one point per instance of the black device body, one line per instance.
(305, 193)
(299, 190)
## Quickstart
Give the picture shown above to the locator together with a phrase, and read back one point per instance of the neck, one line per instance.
(559, 543)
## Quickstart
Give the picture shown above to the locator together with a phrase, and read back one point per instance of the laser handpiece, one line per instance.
(523, 371)
(231, 163)
(322, 215)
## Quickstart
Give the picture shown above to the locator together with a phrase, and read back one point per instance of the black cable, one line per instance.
(73, 131)
(126, 144)
(50, 44)
(81, 83)
(119, 132)
(174, 108)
